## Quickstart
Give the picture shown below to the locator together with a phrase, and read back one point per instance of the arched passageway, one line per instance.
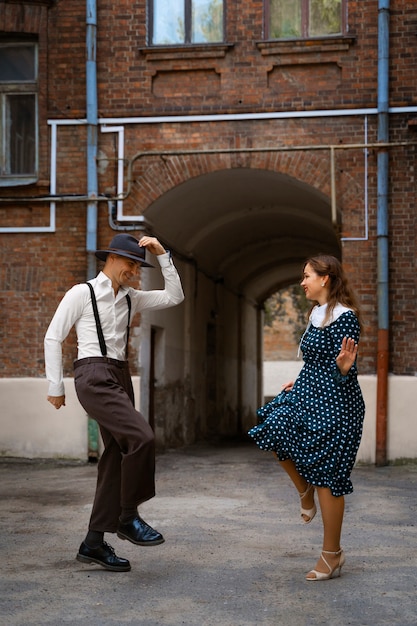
(239, 235)
(251, 228)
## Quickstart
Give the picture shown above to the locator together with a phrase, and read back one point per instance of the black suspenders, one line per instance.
(129, 306)
(102, 343)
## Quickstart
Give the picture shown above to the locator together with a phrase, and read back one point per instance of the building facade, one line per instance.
(246, 136)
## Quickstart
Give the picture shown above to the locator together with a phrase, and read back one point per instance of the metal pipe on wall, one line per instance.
(92, 125)
(92, 177)
(382, 235)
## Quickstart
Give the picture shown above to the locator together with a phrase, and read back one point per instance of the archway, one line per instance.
(239, 235)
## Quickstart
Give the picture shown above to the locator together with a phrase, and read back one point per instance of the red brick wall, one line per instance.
(247, 76)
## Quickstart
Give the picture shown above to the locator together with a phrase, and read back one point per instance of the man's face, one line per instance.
(122, 269)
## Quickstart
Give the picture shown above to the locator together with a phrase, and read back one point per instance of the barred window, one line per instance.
(298, 19)
(176, 22)
(18, 112)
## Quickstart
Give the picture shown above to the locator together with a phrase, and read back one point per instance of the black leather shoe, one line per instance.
(139, 532)
(104, 555)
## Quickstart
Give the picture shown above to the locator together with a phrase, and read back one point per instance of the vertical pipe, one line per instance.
(382, 234)
(92, 183)
(52, 206)
(333, 186)
(92, 119)
(365, 181)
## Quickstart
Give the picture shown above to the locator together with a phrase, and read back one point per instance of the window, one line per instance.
(18, 113)
(290, 19)
(174, 22)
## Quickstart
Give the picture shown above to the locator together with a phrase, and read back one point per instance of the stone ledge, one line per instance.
(305, 46)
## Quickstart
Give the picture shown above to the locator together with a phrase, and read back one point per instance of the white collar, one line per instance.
(319, 313)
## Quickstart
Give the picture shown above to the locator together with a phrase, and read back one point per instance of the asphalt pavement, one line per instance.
(236, 552)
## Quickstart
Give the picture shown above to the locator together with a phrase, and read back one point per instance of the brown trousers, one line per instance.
(126, 469)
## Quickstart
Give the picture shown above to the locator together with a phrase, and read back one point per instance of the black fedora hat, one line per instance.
(127, 246)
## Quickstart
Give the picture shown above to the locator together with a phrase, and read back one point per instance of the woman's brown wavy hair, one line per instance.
(340, 291)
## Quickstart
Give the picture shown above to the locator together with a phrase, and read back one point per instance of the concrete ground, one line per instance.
(236, 552)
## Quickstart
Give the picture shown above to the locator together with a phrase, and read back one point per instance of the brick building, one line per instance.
(246, 136)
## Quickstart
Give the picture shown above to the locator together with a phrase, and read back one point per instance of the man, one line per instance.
(101, 311)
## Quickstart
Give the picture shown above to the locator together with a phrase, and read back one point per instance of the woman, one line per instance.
(314, 425)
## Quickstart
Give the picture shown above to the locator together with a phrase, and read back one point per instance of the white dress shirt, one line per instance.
(76, 309)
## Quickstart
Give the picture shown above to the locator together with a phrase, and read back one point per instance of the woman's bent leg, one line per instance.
(302, 486)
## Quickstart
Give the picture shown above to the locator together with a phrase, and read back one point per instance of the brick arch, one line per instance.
(154, 176)
(157, 176)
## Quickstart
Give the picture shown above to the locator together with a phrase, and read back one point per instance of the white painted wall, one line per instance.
(31, 428)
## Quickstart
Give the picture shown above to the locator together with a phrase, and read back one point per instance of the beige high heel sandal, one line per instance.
(327, 575)
(309, 513)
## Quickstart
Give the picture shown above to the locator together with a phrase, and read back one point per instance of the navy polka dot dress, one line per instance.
(318, 424)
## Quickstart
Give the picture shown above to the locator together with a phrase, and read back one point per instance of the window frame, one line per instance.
(188, 26)
(305, 5)
(12, 88)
